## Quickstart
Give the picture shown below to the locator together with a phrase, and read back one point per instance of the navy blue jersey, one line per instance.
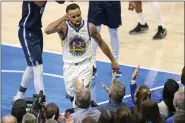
(31, 16)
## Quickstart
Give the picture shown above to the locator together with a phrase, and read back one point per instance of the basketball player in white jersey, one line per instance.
(76, 36)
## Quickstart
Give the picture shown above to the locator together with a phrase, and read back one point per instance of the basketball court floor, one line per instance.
(159, 59)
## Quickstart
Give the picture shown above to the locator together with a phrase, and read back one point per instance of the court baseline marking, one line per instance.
(59, 76)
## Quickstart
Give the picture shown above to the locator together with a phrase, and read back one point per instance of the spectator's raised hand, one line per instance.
(135, 73)
(113, 77)
(78, 83)
(105, 87)
(112, 82)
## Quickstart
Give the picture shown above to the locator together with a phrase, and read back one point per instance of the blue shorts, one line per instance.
(32, 44)
(105, 12)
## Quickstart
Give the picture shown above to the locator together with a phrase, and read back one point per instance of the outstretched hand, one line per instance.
(115, 67)
(112, 81)
(78, 83)
(105, 87)
(135, 73)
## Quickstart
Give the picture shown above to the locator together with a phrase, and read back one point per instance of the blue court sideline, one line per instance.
(13, 65)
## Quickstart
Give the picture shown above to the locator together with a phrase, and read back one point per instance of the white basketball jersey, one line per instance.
(76, 43)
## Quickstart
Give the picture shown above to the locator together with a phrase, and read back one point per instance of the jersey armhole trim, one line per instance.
(66, 32)
(88, 29)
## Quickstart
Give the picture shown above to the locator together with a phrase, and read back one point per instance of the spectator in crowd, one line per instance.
(89, 119)
(183, 78)
(179, 104)
(106, 116)
(150, 112)
(29, 118)
(116, 94)
(19, 109)
(9, 119)
(83, 103)
(51, 111)
(179, 117)
(138, 94)
(123, 115)
(142, 93)
(166, 107)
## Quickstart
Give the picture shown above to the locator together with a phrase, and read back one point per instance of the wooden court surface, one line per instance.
(166, 54)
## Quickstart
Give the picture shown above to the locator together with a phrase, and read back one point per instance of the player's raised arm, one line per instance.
(104, 47)
(57, 26)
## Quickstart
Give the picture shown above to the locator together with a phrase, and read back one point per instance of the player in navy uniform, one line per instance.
(109, 14)
(31, 39)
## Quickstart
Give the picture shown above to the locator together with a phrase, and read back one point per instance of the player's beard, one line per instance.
(77, 25)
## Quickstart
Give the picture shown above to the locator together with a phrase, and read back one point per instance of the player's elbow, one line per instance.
(47, 31)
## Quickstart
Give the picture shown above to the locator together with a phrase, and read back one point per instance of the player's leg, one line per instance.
(26, 79)
(115, 42)
(85, 73)
(162, 32)
(36, 51)
(142, 25)
(31, 44)
(35, 48)
(96, 17)
(113, 22)
(28, 73)
(69, 73)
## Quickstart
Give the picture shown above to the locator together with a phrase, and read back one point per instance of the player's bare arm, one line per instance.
(102, 44)
(57, 26)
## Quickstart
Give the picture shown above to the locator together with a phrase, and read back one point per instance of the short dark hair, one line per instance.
(88, 119)
(106, 116)
(150, 111)
(51, 110)
(123, 115)
(72, 6)
(19, 109)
